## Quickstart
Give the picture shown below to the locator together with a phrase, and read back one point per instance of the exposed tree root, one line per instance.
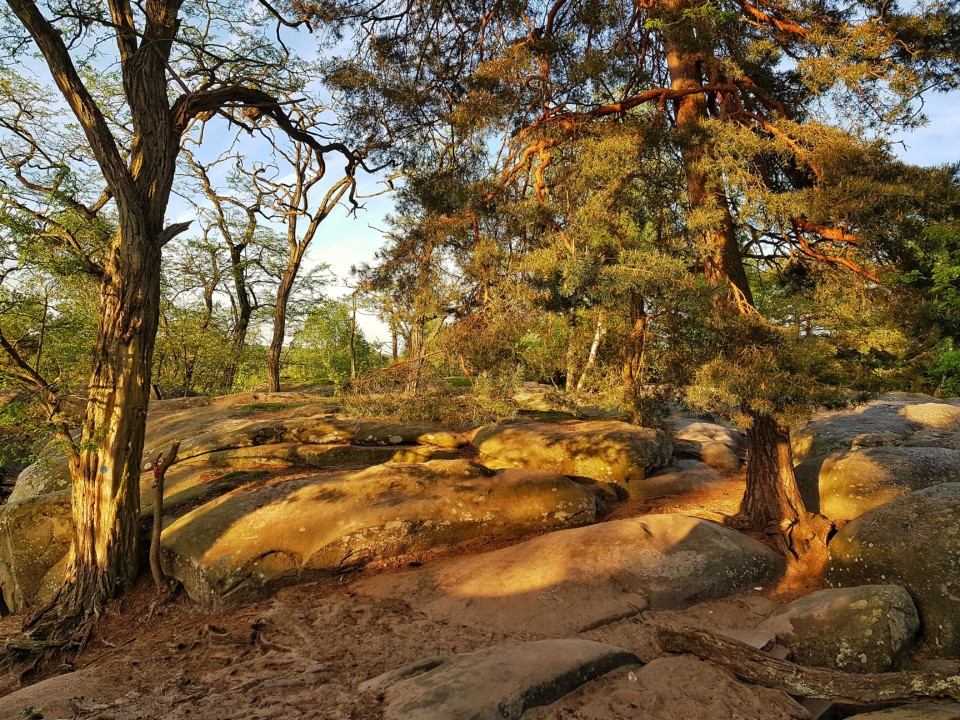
(760, 668)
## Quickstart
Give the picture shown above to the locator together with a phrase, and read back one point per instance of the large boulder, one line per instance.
(850, 483)
(271, 533)
(234, 423)
(889, 419)
(715, 445)
(35, 536)
(610, 451)
(496, 683)
(573, 580)
(858, 629)
(913, 542)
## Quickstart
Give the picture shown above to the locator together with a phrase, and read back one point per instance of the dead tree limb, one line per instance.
(757, 667)
(160, 466)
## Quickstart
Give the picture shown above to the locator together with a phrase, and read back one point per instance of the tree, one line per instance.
(743, 91)
(176, 66)
(328, 346)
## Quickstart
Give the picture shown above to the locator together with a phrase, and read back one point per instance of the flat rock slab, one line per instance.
(603, 450)
(913, 542)
(497, 683)
(235, 548)
(573, 580)
(890, 419)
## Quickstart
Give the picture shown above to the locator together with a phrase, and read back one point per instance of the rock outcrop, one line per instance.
(496, 683)
(913, 542)
(573, 580)
(850, 483)
(858, 629)
(275, 532)
(609, 451)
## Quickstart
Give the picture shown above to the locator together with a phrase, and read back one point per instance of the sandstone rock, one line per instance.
(851, 483)
(916, 711)
(35, 536)
(221, 425)
(604, 450)
(715, 445)
(858, 629)
(889, 419)
(683, 476)
(497, 683)
(236, 547)
(49, 474)
(913, 542)
(572, 580)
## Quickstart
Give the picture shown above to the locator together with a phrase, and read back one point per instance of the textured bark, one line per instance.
(634, 350)
(274, 356)
(772, 500)
(757, 667)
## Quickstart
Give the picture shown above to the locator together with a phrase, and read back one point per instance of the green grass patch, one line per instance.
(459, 381)
(268, 406)
(238, 478)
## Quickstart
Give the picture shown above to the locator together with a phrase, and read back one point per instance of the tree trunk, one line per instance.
(571, 350)
(414, 352)
(722, 262)
(353, 344)
(244, 313)
(772, 500)
(280, 324)
(106, 471)
(594, 347)
(631, 369)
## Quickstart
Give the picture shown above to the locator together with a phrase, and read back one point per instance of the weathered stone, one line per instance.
(683, 476)
(913, 542)
(892, 418)
(35, 536)
(850, 483)
(917, 711)
(715, 445)
(238, 546)
(497, 683)
(572, 580)
(604, 450)
(858, 629)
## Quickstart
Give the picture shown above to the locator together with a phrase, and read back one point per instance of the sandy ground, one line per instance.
(303, 652)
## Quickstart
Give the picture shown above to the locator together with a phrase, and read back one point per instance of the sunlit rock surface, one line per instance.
(610, 451)
(576, 579)
(850, 483)
(275, 532)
